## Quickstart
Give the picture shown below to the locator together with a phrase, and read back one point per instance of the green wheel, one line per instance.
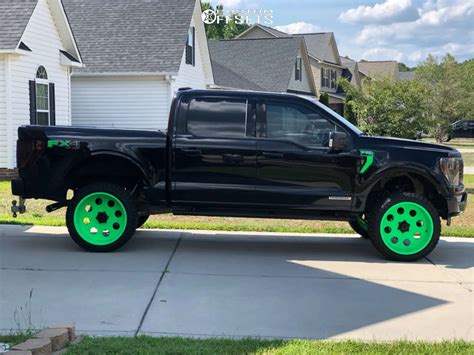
(360, 226)
(405, 227)
(101, 217)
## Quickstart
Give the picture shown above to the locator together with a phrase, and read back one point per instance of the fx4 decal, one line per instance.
(52, 143)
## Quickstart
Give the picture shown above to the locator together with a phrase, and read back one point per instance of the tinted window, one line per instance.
(220, 118)
(298, 123)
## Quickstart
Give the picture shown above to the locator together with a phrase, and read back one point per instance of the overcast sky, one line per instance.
(404, 30)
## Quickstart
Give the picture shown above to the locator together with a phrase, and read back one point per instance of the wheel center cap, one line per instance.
(102, 217)
(403, 227)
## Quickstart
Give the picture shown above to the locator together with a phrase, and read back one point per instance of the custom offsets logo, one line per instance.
(249, 17)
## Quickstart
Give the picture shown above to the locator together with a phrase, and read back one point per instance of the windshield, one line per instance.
(334, 114)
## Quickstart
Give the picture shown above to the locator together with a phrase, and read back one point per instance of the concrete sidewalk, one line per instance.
(236, 285)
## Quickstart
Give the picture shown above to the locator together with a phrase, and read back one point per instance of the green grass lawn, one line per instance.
(149, 345)
(463, 226)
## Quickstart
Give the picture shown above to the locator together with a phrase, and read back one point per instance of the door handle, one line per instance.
(191, 151)
(272, 155)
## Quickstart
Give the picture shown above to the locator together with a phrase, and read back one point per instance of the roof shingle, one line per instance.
(254, 64)
(120, 36)
(14, 16)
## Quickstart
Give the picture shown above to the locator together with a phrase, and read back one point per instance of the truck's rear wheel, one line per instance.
(404, 227)
(101, 217)
(359, 225)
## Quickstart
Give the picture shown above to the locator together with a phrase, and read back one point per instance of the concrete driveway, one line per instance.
(236, 285)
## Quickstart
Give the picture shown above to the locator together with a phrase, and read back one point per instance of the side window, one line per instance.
(217, 118)
(297, 123)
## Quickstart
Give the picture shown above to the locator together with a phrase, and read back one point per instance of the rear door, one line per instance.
(214, 152)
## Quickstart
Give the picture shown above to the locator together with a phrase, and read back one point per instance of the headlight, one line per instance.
(452, 169)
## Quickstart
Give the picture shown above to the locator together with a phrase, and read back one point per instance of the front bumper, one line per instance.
(456, 204)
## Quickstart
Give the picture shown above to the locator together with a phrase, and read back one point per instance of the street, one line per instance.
(213, 284)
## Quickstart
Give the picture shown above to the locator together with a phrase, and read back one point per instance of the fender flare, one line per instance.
(401, 169)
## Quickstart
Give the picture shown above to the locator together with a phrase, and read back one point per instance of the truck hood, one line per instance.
(401, 143)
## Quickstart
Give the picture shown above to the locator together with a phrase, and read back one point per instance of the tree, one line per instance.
(386, 107)
(450, 96)
(324, 98)
(403, 67)
(223, 29)
(350, 109)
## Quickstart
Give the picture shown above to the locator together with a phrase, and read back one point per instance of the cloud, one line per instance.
(299, 27)
(383, 54)
(228, 4)
(388, 10)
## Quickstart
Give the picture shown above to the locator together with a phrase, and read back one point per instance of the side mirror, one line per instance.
(338, 140)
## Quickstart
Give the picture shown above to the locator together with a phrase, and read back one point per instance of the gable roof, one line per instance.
(123, 36)
(254, 64)
(14, 17)
(270, 30)
(387, 68)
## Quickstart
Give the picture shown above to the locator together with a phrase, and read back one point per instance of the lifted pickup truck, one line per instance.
(246, 154)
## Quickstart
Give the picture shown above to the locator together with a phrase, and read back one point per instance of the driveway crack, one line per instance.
(449, 274)
(158, 285)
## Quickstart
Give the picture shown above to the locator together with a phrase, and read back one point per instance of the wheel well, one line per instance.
(107, 168)
(408, 182)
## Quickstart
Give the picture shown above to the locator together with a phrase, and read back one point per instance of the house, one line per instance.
(323, 56)
(379, 69)
(264, 64)
(136, 55)
(352, 72)
(34, 72)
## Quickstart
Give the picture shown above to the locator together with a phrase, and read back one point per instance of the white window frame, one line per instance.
(45, 82)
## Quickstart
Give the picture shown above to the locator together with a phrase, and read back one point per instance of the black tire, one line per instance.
(127, 204)
(141, 220)
(378, 213)
(358, 228)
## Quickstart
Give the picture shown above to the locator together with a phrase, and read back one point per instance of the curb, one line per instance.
(52, 340)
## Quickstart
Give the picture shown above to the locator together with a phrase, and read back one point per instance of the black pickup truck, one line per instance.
(246, 154)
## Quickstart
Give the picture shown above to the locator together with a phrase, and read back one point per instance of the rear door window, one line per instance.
(217, 117)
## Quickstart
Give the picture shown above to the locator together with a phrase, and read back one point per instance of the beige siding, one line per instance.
(120, 102)
(42, 37)
(303, 85)
(256, 33)
(3, 113)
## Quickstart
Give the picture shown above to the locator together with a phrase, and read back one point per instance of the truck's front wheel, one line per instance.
(404, 227)
(101, 217)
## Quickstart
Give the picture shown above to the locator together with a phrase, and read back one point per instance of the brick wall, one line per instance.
(8, 174)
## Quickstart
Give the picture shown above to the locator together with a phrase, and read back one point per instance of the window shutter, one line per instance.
(322, 77)
(194, 46)
(32, 85)
(52, 105)
(301, 69)
(296, 69)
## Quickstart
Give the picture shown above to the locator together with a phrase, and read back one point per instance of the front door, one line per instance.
(295, 167)
(214, 152)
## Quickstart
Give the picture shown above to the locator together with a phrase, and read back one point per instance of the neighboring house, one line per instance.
(352, 72)
(265, 64)
(136, 55)
(379, 69)
(323, 57)
(37, 53)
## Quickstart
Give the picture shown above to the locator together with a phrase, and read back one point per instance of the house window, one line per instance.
(42, 99)
(325, 78)
(298, 71)
(191, 47)
(333, 79)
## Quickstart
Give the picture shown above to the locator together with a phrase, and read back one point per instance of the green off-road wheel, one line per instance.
(360, 226)
(404, 227)
(101, 217)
